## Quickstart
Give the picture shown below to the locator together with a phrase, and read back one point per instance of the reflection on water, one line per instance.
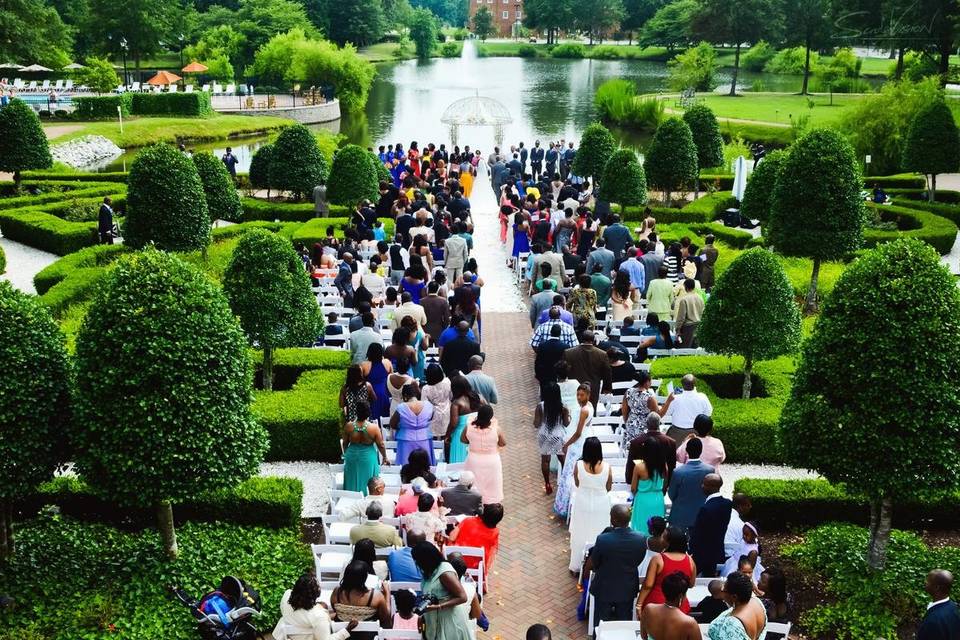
(548, 99)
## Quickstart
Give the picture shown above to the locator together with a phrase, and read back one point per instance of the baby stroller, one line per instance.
(224, 614)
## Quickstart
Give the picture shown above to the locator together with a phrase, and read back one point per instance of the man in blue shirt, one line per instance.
(450, 332)
(617, 236)
(634, 268)
(400, 561)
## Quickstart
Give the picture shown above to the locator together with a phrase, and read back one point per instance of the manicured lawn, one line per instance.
(384, 52)
(138, 132)
(778, 108)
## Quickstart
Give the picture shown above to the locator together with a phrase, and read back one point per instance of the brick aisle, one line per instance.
(530, 583)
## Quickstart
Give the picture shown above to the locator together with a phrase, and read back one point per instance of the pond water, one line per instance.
(548, 99)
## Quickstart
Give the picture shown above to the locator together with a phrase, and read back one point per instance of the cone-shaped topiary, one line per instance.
(383, 174)
(163, 389)
(624, 181)
(296, 164)
(260, 168)
(890, 324)
(596, 146)
(706, 135)
(223, 200)
(933, 144)
(34, 401)
(817, 210)
(352, 177)
(671, 160)
(751, 312)
(165, 202)
(23, 144)
(758, 196)
(270, 292)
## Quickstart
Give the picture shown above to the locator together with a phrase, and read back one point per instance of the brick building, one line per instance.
(506, 14)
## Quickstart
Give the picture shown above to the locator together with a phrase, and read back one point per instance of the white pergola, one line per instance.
(476, 111)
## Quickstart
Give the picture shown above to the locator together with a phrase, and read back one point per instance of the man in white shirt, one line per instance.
(356, 510)
(741, 511)
(408, 308)
(686, 406)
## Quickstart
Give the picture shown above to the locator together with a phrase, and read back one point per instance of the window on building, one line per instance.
(506, 15)
(519, 15)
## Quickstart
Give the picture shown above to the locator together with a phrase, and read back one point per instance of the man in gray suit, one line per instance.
(615, 557)
(455, 254)
(540, 302)
(498, 176)
(602, 256)
(651, 264)
(686, 487)
(462, 498)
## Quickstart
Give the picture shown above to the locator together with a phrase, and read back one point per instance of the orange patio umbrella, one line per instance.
(194, 67)
(164, 77)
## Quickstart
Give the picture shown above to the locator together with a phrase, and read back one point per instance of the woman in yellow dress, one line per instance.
(466, 181)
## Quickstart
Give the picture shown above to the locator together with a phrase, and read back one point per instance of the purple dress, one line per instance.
(378, 380)
(415, 290)
(521, 241)
(413, 432)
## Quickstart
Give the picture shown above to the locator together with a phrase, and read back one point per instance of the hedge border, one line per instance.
(935, 230)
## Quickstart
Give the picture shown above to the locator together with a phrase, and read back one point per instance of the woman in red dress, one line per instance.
(673, 559)
(480, 531)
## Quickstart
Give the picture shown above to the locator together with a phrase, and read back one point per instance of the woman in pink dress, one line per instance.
(485, 438)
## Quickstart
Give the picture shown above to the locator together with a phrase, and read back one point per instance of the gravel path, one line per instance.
(733, 472)
(23, 263)
(316, 478)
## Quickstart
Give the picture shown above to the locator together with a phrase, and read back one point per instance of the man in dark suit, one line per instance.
(615, 557)
(549, 353)
(706, 536)
(942, 620)
(462, 498)
(105, 222)
(456, 353)
(536, 160)
(590, 364)
(686, 492)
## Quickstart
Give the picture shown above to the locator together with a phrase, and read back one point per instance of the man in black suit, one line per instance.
(536, 160)
(706, 536)
(456, 353)
(105, 222)
(615, 557)
(549, 353)
(942, 620)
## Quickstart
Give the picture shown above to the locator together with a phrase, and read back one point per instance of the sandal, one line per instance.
(548, 489)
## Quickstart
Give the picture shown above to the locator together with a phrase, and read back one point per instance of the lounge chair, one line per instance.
(172, 88)
(68, 85)
(135, 87)
(120, 89)
(231, 89)
(217, 89)
(205, 88)
(45, 86)
(17, 83)
(58, 86)
(188, 89)
(158, 89)
(33, 86)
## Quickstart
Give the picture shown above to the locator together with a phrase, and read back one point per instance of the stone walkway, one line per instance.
(23, 263)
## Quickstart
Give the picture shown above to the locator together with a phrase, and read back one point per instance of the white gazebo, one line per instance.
(476, 111)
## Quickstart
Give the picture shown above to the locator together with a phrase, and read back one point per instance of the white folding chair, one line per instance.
(189, 89)
(778, 627)
(362, 627)
(398, 634)
(336, 531)
(135, 86)
(470, 552)
(330, 559)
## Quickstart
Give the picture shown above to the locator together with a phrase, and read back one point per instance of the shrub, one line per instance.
(182, 394)
(917, 65)
(223, 201)
(671, 161)
(256, 209)
(751, 313)
(843, 425)
(757, 57)
(270, 292)
(101, 107)
(758, 196)
(171, 104)
(34, 401)
(933, 143)
(818, 190)
(95, 256)
(791, 61)
(296, 162)
(3, 261)
(98, 74)
(300, 427)
(527, 51)
(106, 176)
(569, 50)
(260, 168)
(616, 101)
(451, 49)
(288, 364)
(353, 177)
(694, 68)
(939, 232)
(383, 174)
(52, 192)
(316, 229)
(706, 135)
(165, 202)
(23, 144)
(607, 52)
(596, 146)
(45, 231)
(623, 180)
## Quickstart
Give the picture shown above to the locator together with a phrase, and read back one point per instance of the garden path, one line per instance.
(23, 263)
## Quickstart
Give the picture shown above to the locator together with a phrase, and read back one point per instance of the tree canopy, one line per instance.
(352, 177)
(360, 22)
(423, 31)
(758, 196)
(596, 146)
(34, 32)
(624, 181)
(671, 160)
(893, 313)
(670, 26)
(296, 164)
(933, 143)
(706, 135)
(23, 144)
(223, 201)
(483, 23)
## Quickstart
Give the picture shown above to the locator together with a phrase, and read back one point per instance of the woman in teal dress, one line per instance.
(417, 339)
(648, 485)
(747, 617)
(361, 440)
(464, 404)
(445, 619)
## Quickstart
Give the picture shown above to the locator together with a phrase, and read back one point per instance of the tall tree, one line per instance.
(808, 24)
(549, 16)
(885, 314)
(671, 161)
(597, 17)
(670, 26)
(596, 146)
(818, 212)
(423, 31)
(360, 22)
(483, 23)
(33, 32)
(751, 313)
(270, 293)
(636, 13)
(23, 144)
(141, 24)
(624, 181)
(737, 22)
(34, 401)
(706, 135)
(933, 144)
(163, 389)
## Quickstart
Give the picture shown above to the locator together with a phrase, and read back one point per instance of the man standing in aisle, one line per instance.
(536, 160)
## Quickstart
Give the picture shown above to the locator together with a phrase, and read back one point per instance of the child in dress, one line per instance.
(405, 618)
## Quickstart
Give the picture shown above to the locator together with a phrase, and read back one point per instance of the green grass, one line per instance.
(138, 132)
(777, 108)
(385, 52)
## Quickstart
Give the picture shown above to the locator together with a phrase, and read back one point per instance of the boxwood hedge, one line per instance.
(316, 229)
(746, 427)
(266, 502)
(937, 231)
(257, 209)
(784, 504)
(170, 104)
(96, 256)
(106, 176)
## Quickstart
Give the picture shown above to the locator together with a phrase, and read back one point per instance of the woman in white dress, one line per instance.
(591, 502)
(579, 429)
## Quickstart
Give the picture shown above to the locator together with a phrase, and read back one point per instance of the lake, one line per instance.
(548, 99)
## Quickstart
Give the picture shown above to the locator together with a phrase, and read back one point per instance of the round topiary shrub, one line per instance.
(223, 200)
(758, 196)
(671, 160)
(259, 174)
(596, 146)
(383, 174)
(23, 144)
(163, 388)
(270, 292)
(706, 135)
(166, 205)
(296, 163)
(933, 143)
(352, 177)
(34, 401)
(624, 180)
